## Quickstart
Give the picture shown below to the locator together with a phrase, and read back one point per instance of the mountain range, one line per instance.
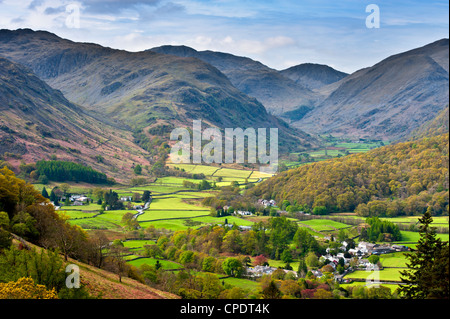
(78, 95)
(139, 90)
(388, 100)
(278, 92)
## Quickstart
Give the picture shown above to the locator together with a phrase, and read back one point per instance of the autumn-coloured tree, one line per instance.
(260, 260)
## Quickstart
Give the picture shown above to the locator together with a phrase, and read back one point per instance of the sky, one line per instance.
(280, 34)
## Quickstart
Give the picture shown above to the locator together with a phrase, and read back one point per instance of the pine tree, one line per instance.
(427, 276)
(302, 268)
(53, 197)
(45, 193)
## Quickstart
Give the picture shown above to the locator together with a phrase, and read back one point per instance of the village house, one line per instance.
(266, 203)
(382, 249)
(243, 213)
(366, 249)
(400, 248)
(78, 198)
(259, 271)
(241, 228)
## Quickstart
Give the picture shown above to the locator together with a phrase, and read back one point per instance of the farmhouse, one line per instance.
(365, 249)
(399, 248)
(259, 271)
(79, 198)
(242, 228)
(384, 249)
(267, 203)
(243, 213)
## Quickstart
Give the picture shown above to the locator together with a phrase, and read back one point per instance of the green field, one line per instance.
(324, 224)
(334, 147)
(410, 238)
(393, 260)
(387, 274)
(179, 224)
(245, 284)
(166, 264)
(136, 245)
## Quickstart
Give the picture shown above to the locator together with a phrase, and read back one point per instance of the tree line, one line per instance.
(61, 171)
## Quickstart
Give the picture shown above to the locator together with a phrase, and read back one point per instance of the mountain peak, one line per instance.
(313, 76)
(178, 50)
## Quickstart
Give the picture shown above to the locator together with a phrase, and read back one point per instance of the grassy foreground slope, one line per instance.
(104, 284)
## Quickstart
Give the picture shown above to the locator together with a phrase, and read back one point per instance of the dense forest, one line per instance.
(401, 179)
(61, 171)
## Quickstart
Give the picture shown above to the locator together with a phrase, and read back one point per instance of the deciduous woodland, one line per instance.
(398, 180)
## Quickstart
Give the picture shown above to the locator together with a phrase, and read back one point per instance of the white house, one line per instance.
(258, 271)
(243, 213)
(267, 203)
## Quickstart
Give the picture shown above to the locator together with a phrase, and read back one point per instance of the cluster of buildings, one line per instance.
(361, 252)
(79, 200)
(367, 249)
(259, 271)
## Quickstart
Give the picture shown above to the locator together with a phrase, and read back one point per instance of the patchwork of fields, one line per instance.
(175, 207)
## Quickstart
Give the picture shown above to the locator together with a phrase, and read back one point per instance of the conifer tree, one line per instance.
(427, 276)
(45, 193)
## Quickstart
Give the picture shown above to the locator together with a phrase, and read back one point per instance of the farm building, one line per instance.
(259, 271)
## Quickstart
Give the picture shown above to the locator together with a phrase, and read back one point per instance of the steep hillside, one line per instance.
(276, 92)
(38, 243)
(436, 126)
(313, 76)
(140, 89)
(38, 122)
(388, 100)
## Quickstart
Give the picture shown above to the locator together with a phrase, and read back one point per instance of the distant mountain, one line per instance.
(313, 76)
(138, 90)
(38, 122)
(388, 100)
(278, 93)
